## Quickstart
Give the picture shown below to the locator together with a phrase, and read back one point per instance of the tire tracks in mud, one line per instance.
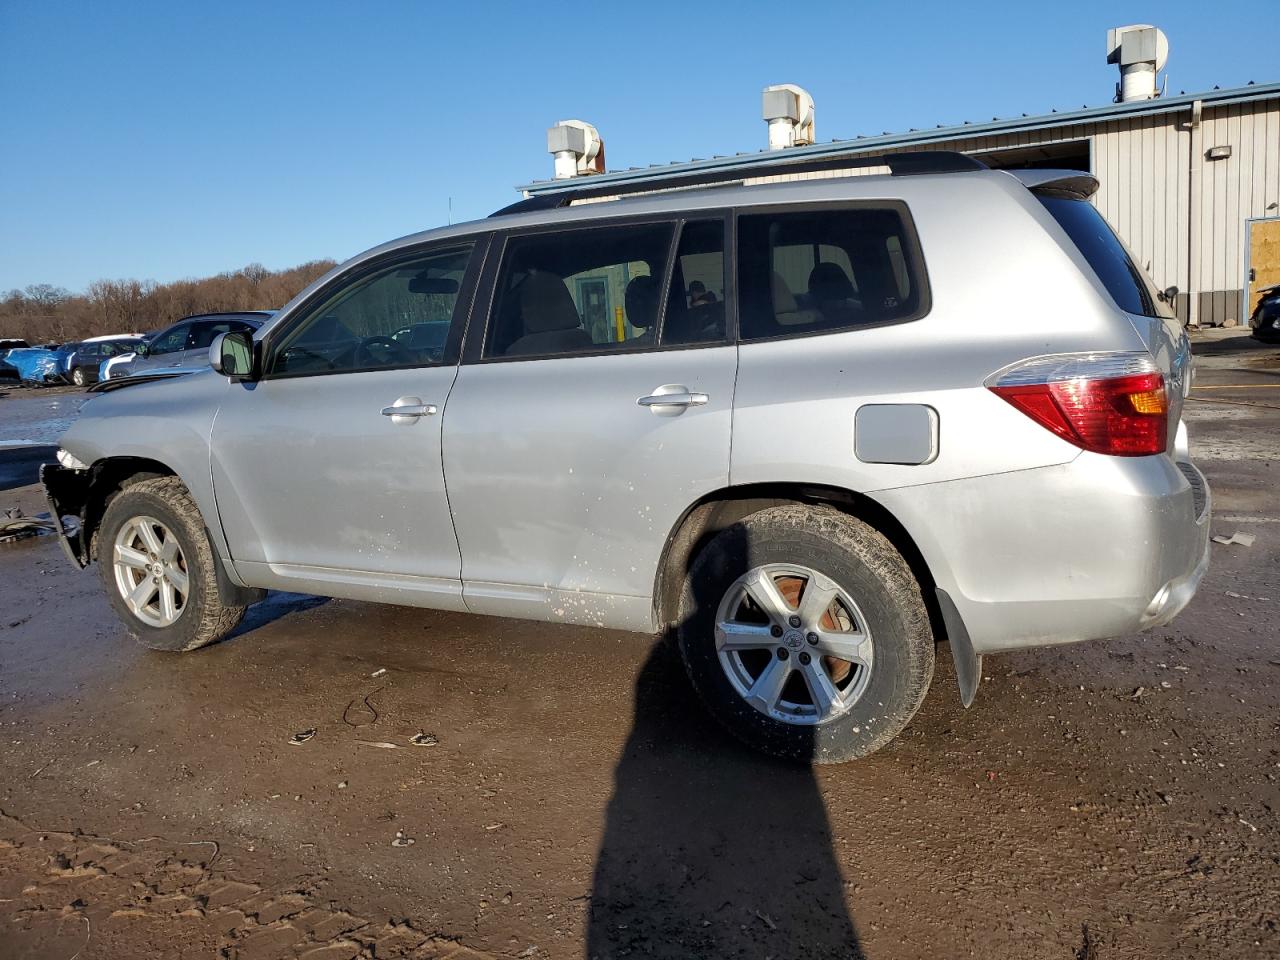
(72, 894)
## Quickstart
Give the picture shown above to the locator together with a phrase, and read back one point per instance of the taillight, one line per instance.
(1113, 403)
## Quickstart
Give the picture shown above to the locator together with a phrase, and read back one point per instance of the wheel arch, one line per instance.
(106, 478)
(720, 509)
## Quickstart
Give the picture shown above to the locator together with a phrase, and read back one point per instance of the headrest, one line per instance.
(783, 299)
(546, 304)
(828, 281)
(642, 302)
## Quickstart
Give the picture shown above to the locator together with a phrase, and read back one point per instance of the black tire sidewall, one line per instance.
(902, 650)
(138, 503)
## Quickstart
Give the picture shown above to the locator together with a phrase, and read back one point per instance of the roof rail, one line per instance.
(900, 165)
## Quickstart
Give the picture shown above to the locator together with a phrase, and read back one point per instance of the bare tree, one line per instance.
(42, 312)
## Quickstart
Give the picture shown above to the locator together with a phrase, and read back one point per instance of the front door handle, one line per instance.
(672, 399)
(409, 410)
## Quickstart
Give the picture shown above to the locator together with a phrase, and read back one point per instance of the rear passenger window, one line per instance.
(695, 303)
(820, 271)
(579, 291)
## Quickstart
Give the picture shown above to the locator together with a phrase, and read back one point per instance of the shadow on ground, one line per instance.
(20, 466)
(711, 858)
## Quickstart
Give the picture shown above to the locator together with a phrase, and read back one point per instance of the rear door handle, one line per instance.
(671, 399)
(409, 410)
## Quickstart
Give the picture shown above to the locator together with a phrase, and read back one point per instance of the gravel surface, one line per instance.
(1104, 800)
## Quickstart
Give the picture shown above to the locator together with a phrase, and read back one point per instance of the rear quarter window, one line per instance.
(1129, 287)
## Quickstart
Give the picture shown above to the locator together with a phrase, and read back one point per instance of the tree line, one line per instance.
(43, 313)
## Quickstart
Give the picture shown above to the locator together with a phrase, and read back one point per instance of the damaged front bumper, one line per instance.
(67, 491)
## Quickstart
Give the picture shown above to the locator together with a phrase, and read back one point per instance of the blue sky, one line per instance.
(163, 140)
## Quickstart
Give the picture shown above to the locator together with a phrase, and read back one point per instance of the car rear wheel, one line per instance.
(805, 633)
(159, 567)
(78, 377)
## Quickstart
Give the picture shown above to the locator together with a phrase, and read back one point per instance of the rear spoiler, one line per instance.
(1069, 184)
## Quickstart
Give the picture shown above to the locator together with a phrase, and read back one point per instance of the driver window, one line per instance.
(397, 316)
(175, 339)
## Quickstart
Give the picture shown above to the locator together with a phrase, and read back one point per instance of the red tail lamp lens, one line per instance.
(1125, 416)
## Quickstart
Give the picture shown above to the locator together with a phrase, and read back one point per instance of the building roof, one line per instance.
(911, 138)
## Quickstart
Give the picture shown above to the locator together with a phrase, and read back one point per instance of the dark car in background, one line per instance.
(85, 360)
(185, 344)
(1265, 320)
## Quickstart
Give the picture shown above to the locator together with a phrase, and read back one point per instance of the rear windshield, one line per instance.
(1129, 287)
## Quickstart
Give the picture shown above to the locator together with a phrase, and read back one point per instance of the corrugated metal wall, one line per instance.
(1233, 190)
(1144, 165)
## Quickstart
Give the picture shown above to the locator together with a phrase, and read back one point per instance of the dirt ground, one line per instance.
(1105, 800)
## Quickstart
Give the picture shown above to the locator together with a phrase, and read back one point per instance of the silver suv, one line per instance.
(813, 428)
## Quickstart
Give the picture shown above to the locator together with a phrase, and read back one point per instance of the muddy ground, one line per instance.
(1106, 800)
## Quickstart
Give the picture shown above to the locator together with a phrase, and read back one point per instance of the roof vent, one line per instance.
(577, 149)
(789, 111)
(1141, 51)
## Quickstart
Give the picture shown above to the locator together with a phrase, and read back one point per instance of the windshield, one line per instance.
(1130, 287)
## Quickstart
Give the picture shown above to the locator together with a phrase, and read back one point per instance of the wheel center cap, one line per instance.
(793, 639)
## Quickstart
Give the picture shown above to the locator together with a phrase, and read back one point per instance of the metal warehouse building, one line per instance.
(1190, 182)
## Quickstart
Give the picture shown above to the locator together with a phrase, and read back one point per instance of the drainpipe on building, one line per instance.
(1193, 249)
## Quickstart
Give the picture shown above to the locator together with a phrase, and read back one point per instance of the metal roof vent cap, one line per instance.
(789, 112)
(577, 149)
(1141, 52)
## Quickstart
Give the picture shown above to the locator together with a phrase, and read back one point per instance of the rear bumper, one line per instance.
(1099, 547)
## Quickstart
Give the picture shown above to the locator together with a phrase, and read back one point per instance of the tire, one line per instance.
(164, 505)
(78, 377)
(875, 596)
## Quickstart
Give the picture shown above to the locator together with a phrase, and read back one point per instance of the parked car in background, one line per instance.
(8, 372)
(84, 364)
(881, 434)
(185, 344)
(11, 344)
(1265, 319)
(63, 355)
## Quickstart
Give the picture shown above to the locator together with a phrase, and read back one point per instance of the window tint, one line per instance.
(695, 304)
(399, 316)
(1128, 286)
(171, 340)
(203, 334)
(577, 291)
(812, 272)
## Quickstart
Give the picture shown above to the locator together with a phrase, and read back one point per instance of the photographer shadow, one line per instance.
(711, 850)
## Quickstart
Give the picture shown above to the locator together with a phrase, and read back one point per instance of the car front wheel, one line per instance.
(806, 635)
(158, 566)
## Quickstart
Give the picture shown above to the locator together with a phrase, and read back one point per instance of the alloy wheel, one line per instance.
(151, 571)
(793, 643)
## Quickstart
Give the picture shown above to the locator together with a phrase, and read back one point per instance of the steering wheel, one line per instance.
(395, 352)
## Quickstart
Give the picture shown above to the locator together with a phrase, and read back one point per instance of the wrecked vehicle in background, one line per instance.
(34, 364)
(867, 443)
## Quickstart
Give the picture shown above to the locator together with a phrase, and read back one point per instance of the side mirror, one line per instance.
(231, 354)
(1169, 294)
